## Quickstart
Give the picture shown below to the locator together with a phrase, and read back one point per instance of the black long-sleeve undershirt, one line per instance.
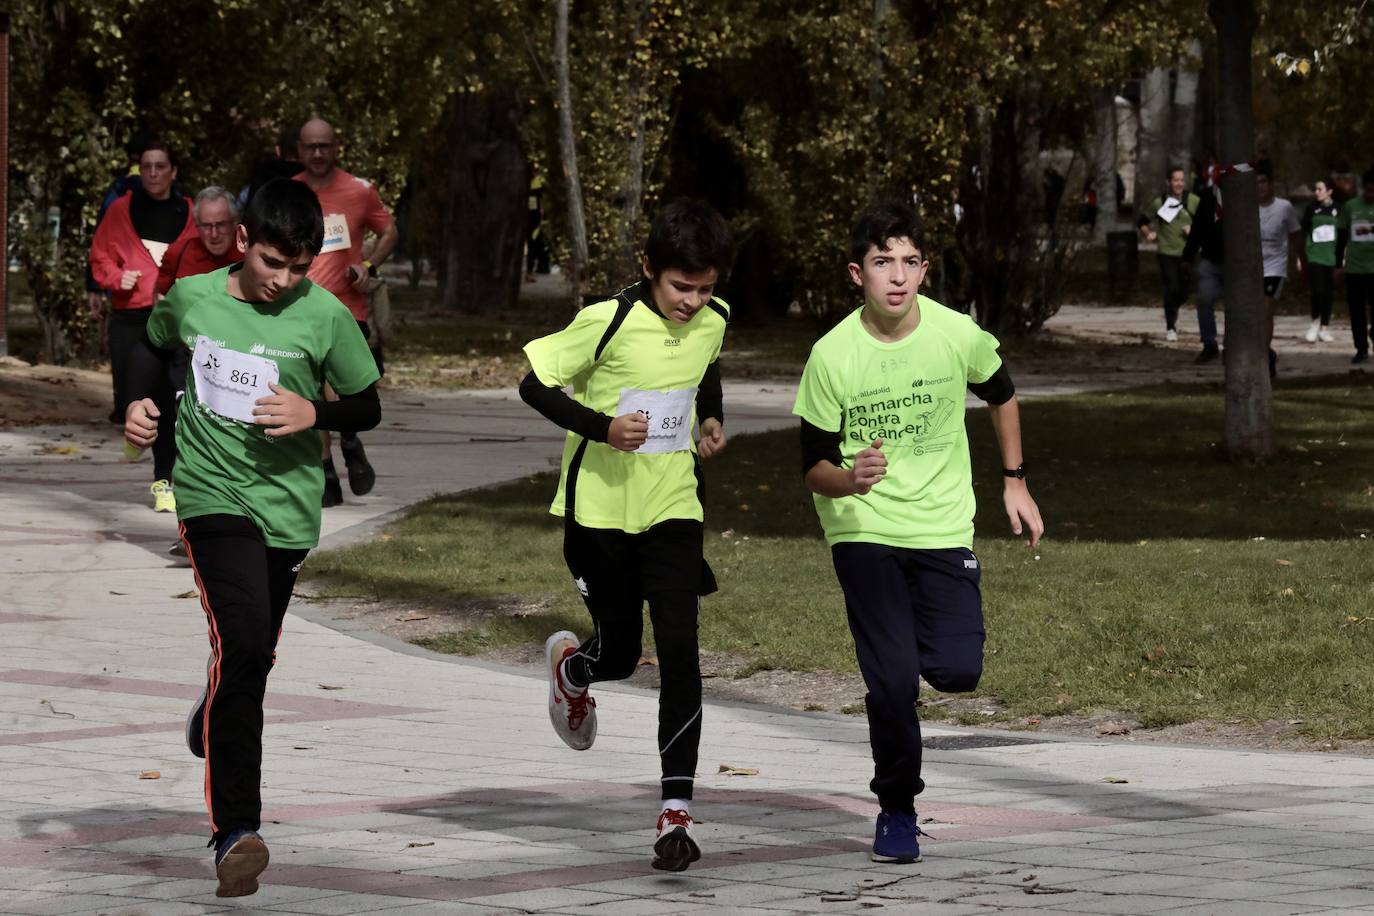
(1342, 240)
(555, 404)
(352, 413)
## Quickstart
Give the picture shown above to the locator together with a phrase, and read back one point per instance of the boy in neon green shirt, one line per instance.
(642, 367)
(885, 452)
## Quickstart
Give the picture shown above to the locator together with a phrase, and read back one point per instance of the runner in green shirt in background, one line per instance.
(1319, 234)
(263, 340)
(1167, 221)
(642, 367)
(885, 452)
(1355, 261)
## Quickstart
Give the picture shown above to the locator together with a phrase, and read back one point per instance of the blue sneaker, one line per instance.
(894, 838)
(239, 858)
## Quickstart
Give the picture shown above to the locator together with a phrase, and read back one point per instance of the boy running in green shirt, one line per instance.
(885, 452)
(643, 372)
(263, 340)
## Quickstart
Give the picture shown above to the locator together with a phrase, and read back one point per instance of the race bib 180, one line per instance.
(229, 382)
(669, 414)
(336, 236)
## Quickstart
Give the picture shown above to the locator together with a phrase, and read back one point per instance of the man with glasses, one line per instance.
(351, 207)
(216, 215)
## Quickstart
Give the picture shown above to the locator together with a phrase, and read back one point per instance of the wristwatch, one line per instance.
(370, 268)
(1019, 472)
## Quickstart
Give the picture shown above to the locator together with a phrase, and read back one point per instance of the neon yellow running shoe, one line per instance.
(164, 500)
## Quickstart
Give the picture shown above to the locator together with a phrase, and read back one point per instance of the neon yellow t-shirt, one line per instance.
(629, 491)
(232, 467)
(911, 394)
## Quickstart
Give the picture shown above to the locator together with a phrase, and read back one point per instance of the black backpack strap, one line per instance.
(623, 305)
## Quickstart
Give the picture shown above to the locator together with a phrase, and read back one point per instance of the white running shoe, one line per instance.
(1325, 336)
(675, 847)
(1312, 332)
(1171, 335)
(572, 712)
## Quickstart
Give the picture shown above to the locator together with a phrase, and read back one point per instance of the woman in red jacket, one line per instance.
(125, 256)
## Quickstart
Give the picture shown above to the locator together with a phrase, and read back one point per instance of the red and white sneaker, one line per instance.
(675, 847)
(572, 712)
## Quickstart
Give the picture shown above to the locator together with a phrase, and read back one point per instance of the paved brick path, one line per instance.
(399, 781)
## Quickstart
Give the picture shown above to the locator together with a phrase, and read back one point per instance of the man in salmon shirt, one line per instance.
(126, 254)
(351, 206)
(216, 215)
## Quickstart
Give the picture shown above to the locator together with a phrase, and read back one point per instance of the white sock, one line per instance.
(680, 804)
(568, 685)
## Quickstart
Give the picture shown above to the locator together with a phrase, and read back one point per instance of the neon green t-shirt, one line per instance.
(232, 467)
(630, 491)
(911, 394)
(1358, 217)
(1321, 234)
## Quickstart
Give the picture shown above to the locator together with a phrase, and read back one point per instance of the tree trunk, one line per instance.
(484, 220)
(1104, 160)
(632, 187)
(1183, 117)
(1249, 399)
(1153, 142)
(878, 174)
(567, 146)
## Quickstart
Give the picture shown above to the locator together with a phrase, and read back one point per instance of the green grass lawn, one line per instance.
(1173, 586)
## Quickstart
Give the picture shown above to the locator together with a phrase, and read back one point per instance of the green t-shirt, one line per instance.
(1172, 238)
(1321, 234)
(232, 467)
(630, 491)
(911, 393)
(1358, 217)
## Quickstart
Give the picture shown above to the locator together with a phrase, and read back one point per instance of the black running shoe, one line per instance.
(333, 491)
(239, 858)
(361, 477)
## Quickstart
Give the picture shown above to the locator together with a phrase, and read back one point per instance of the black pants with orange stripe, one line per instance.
(244, 588)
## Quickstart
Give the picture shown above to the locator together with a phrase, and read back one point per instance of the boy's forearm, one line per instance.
(1006, 423)
(351, 413)
(828, 480)
(557, 407)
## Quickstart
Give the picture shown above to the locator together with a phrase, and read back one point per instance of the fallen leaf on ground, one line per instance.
(411, 615)
(1115, 780)
(727, 533)
(1287, 593)
(1283, 562)
(731, 770)
(651, 661)
(330, 687)
(191, 594)
(1155, 654)
(62, 450)
(416, 845)
(301, 747)
(1114, 728)
(150, 774)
